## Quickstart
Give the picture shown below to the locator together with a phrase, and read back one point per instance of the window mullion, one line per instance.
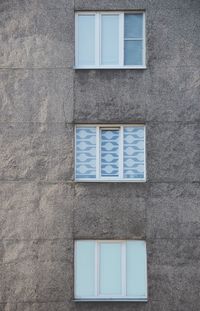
(144, 152)
(76, 40)
(121, 39)
(144, 40)
(121, 151)
(97, 39)
(97, 153)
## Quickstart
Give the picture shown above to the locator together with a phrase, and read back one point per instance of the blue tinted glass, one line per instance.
(86, 40)
(133, 26)
(134, 152)
(133, 52)
(109, 153)
(85, 269)
(136, 269)
(109, 39)
(86, 153)
(110, 269)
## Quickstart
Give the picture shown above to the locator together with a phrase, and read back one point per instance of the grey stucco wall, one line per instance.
(42, 210)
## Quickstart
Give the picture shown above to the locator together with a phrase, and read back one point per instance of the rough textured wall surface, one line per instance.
(42, 210)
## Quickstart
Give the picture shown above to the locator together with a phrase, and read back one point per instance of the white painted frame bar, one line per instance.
(98, 40)
(121, 153)
(98, 296)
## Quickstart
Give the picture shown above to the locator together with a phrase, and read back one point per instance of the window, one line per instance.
(110, 40)
(110, 270)
(110, 153)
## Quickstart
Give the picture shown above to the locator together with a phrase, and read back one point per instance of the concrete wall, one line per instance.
(42, 210)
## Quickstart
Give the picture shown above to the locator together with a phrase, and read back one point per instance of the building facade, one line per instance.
(44, 209)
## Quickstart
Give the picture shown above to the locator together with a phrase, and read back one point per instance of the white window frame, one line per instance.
(121, 64)
(98, 296)
(121, 153)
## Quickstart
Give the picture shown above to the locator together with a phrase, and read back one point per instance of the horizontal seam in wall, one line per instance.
(32, 302)
(94, 122)
(96, 69)
(73, 239)
(36, 68)
(72, 182)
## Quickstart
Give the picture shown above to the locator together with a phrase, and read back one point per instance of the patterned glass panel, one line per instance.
(86, 153)
(134, 152)
(109, 153)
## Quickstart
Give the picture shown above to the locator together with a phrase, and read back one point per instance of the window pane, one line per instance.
(85, 269)
(86, 152)
(110, 269)
(109, 153)
(86, 40)
(133, 26)
(109, 39)
(136, 269)
(134, 152)
(133, 51)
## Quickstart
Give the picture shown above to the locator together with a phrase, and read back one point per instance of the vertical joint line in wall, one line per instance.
(73, 145)
(73, 113)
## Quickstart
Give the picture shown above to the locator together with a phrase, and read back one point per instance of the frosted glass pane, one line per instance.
(134, 152)
(110, 269)
(133, 52)
(133, 26)
(86, 40)
(109, 153)
(136, 269)
(109, 39)
(86, 153)
(85, 269)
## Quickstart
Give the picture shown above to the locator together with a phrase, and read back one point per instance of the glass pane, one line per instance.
(133, 51)
(85, 269)
(110, 269)
(86, 40)
(133, 26)
(109, 153)
(134, 152)
(86, 153)
(136, 269)
(109, 39)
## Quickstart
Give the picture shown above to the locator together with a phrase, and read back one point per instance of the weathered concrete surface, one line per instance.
(108, 212)
(110, 96)
(36, 35)
(36, 151)
(32, 211)
(44, 96)
(173, 152)
(42, 210)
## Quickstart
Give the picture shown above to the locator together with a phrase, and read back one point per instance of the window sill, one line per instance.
(109, 67)
(111, 181)
(112, 300)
